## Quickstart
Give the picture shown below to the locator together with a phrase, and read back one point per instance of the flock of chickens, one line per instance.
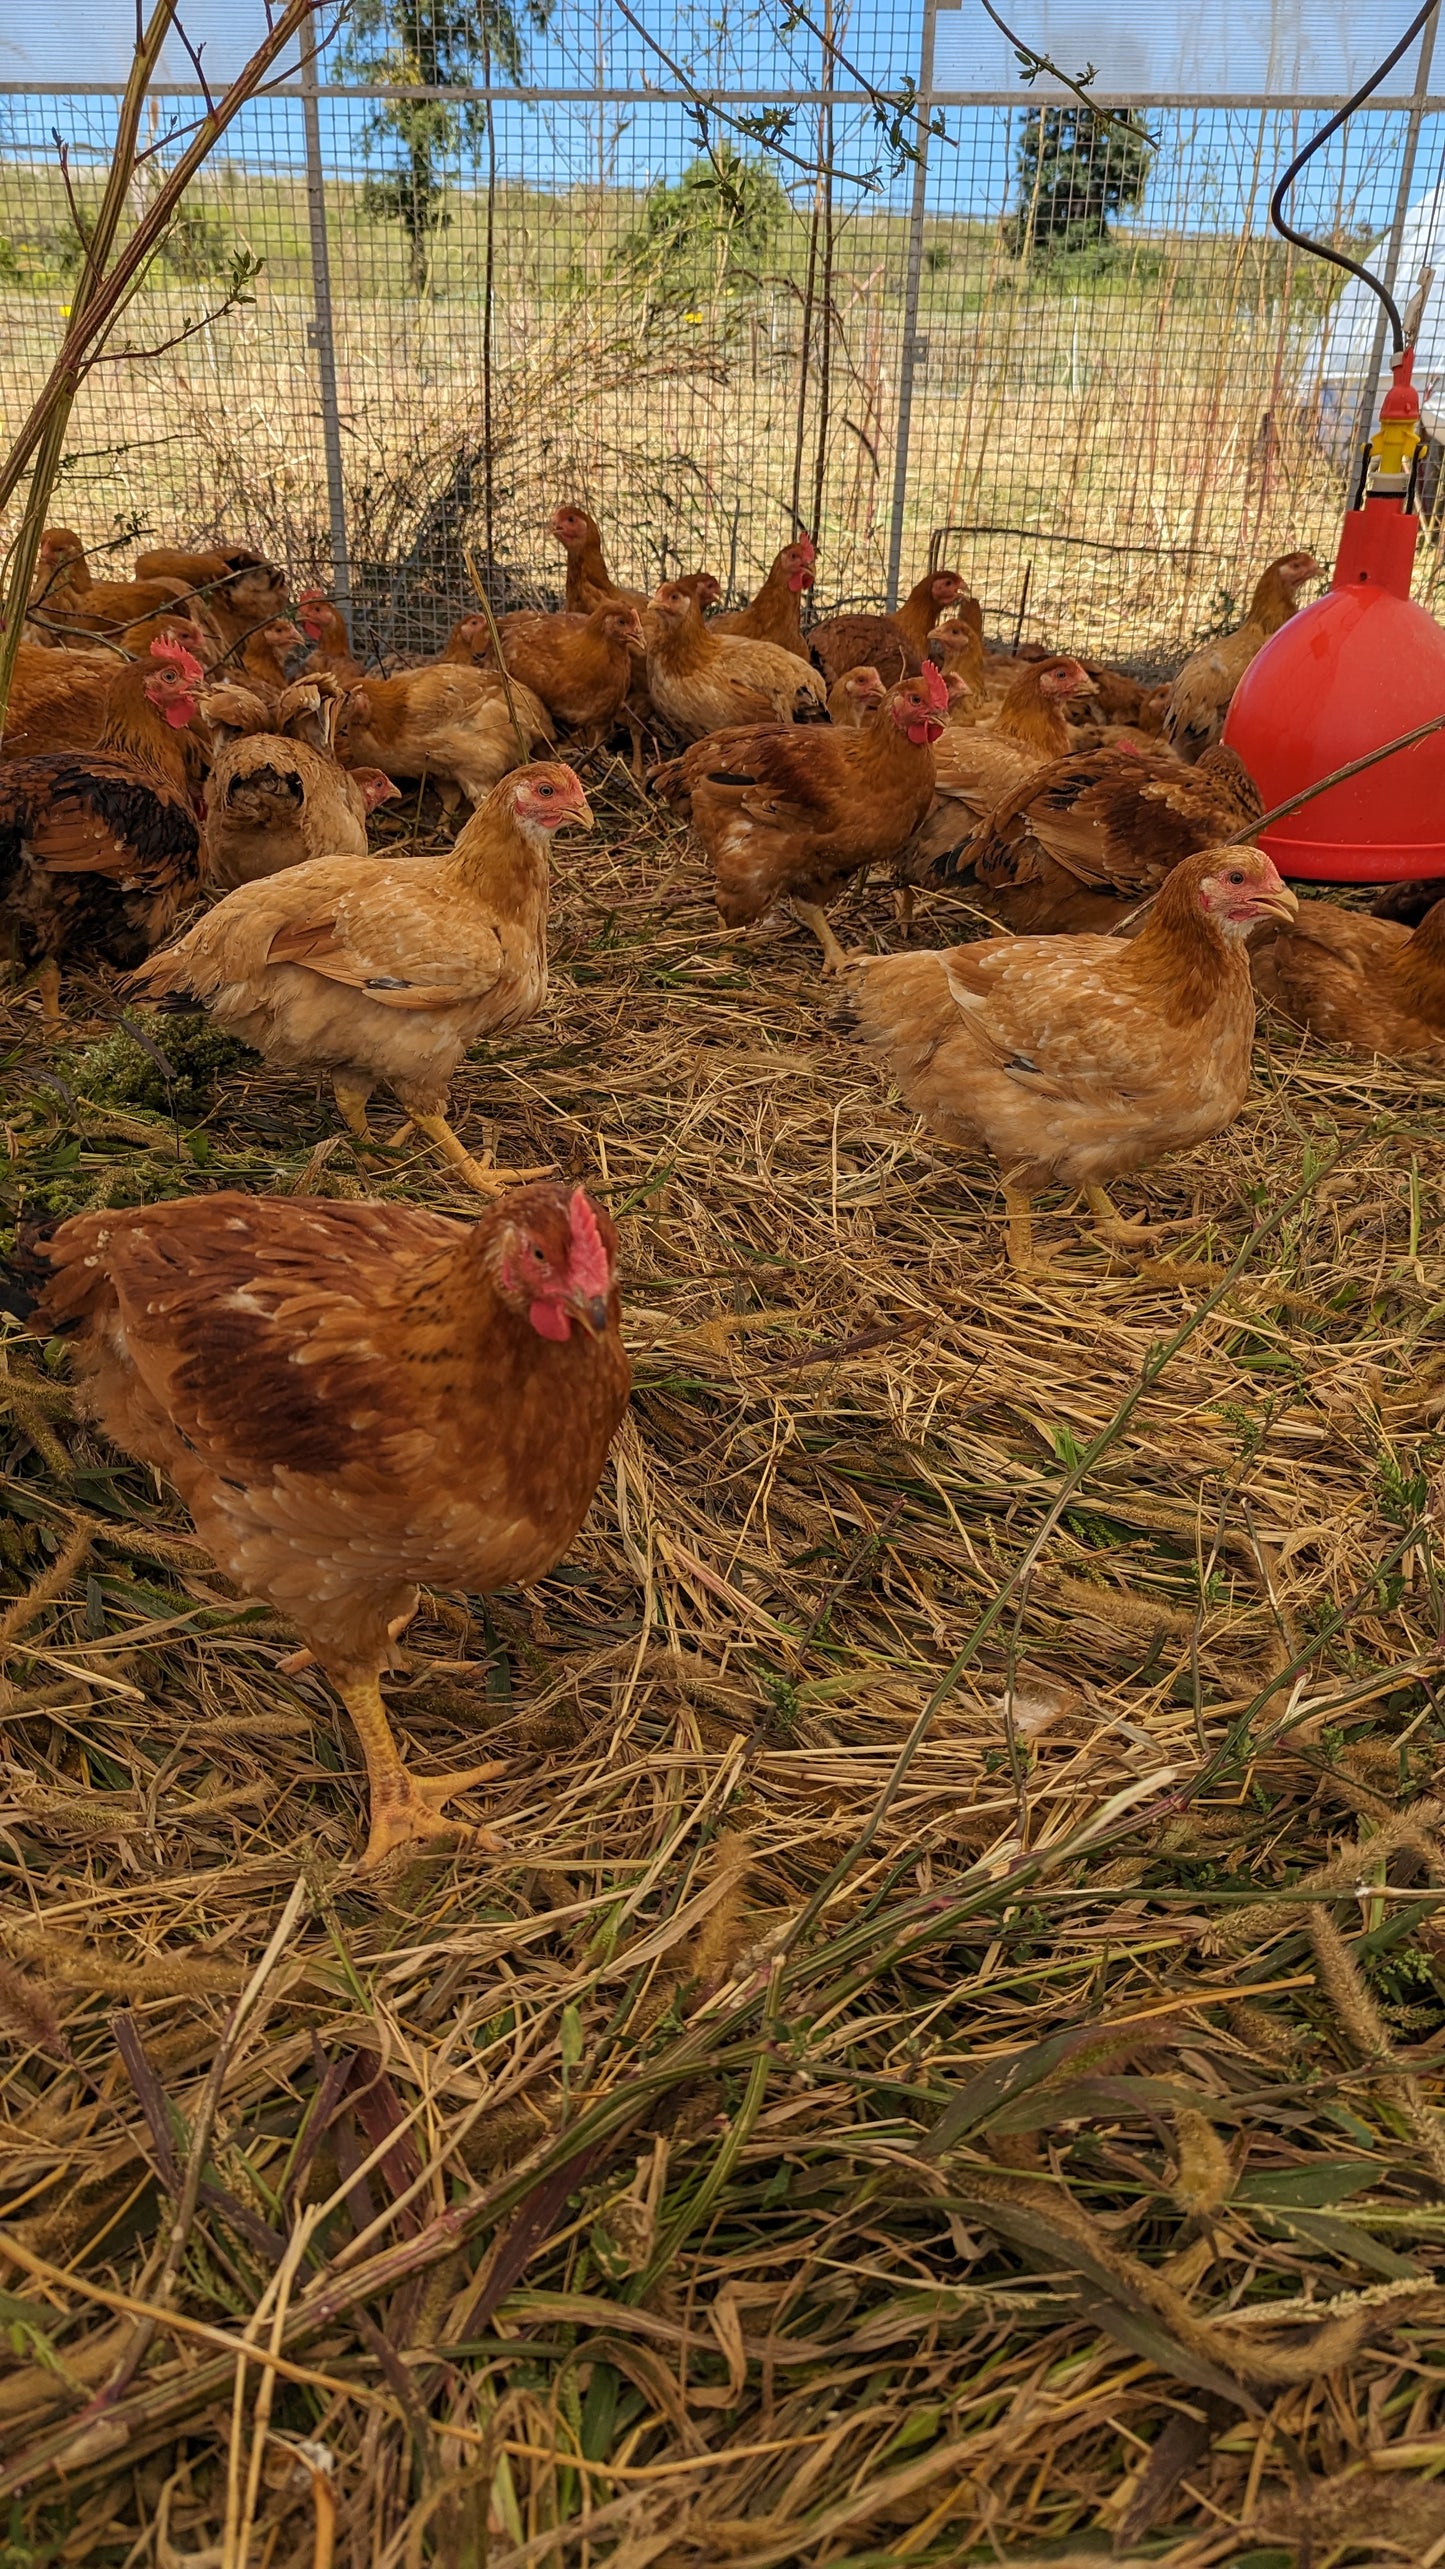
(354, 1399)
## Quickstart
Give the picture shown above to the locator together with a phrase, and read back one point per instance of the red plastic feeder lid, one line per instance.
(1346, 674)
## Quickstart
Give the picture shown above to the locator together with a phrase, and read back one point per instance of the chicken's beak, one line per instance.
(591, 1310)
(1279, 903)
(581, 813)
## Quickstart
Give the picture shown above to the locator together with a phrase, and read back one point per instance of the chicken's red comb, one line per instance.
(588, 1266)
(182, 661)
(934, 684)
(804, 544)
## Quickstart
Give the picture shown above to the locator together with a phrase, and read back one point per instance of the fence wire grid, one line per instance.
(699, 324)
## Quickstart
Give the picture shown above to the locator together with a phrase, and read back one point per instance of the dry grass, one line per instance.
(951, 2068)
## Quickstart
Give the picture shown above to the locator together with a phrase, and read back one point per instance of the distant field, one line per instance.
(1130, 445)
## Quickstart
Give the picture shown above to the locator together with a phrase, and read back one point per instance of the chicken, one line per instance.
(1076, 1060)
(1410, 901)
(353, 1398)
(375, 970)
(854, 696)
(449, 724)
(774, 615)
(234, 591)
(589, 582)
(1078, 845)
(956, 647)
(58, 698)
(1369, 985)
(701, 681)
(979, 763)
(579, 666)
(791, 814)
(894, 645)
(98, 847)
(276, 795)
(65, 599)
(1200, 696)
(265, 652)
(324, 626)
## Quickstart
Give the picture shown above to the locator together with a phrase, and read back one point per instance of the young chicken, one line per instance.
(854, 696)
(894, 645)
(956, 647)
(60, 699)
(979, 763)
(701, 681)
(449, 724)
(589, 582)
(324, 626)
(1079, 844)
(1200, 696)
(377, 970)
(774, 615)
(352, 1399)
(66, 598)
(579, 666)
(277, 795)
(1371, 985)
(98, 847)
(1074, 1060)
(791, 814)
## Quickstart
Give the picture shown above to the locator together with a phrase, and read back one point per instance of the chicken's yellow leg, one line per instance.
(1020, 1231)
(406, 1809)
(486, 1181)
(351, 1098)
(834, 958)
(903, 898)
(1117, 1226)
(47, 982)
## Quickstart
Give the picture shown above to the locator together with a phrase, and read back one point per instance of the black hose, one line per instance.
(1302, 240)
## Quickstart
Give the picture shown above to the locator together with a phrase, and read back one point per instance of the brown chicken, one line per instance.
(66, 599)
(775, 614)
(233, 590)
(1074, 1060)
(1367, 984)
(372, 969)
(1200, 696)
(854, 696)
(1078, 845)
(788, 814)
(451, 725)
(264, 654)
(701, 681)
(956, 647)
(1411, 901)
(98, 847)
(979, 763)
(324, 626)
(354, 1398)
(580, 667)
(276, 795)
(589, 582)
(894, 645)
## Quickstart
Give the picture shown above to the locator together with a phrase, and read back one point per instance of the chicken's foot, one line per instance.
(834, 958)
(486, 1181)
(47, 982)
(352, 1097)
(1020, 1240)
(903, 902)
(1117, 1227)
(407, 1809)
(297, 1661)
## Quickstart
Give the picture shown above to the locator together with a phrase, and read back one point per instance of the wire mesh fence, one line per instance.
(1066, 355)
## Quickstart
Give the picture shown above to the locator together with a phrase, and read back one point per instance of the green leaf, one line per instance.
(1345, 2239)
(571, 2037)
(1329, 2181)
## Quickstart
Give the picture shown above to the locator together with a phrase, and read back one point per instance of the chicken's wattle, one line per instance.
(179, 713)
(924, 734)
(550, 1321)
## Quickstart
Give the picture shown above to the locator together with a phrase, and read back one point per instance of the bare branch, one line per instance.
(704, 107)
(195, 52)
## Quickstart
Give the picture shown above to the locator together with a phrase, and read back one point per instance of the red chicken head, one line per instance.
(800, 558)
(1064, 678)
(572, 526)
(946, 588)
(920, 706)
(175, 682)
(624, 624)
(318, 617)
(545, 797)
(1239, 886)
(553, 1255)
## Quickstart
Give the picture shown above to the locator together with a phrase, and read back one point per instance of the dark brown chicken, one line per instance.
(98, 847)
(1368, 984)
(1079, 844)
(354, 1398)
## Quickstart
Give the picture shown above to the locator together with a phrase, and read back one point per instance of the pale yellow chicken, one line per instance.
(701, 681)
(384, 970)
(444, 722)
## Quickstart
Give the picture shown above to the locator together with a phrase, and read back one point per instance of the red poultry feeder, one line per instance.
(1355, 669)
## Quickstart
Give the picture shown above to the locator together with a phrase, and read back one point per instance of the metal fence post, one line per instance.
(320, 333)
(1370, 390)
(908, 357)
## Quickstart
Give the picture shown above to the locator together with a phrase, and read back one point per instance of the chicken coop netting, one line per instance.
(708, 273)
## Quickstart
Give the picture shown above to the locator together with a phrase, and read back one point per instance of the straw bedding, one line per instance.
(950, 2069)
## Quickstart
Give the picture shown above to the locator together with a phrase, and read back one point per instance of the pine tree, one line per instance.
(1075, 170)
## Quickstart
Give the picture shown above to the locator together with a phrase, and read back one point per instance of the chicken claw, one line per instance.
(47, 983)
(485, 1181)
(407, 1809)
(812, 916)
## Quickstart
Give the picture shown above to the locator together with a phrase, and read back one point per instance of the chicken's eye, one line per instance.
(1239, 878)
